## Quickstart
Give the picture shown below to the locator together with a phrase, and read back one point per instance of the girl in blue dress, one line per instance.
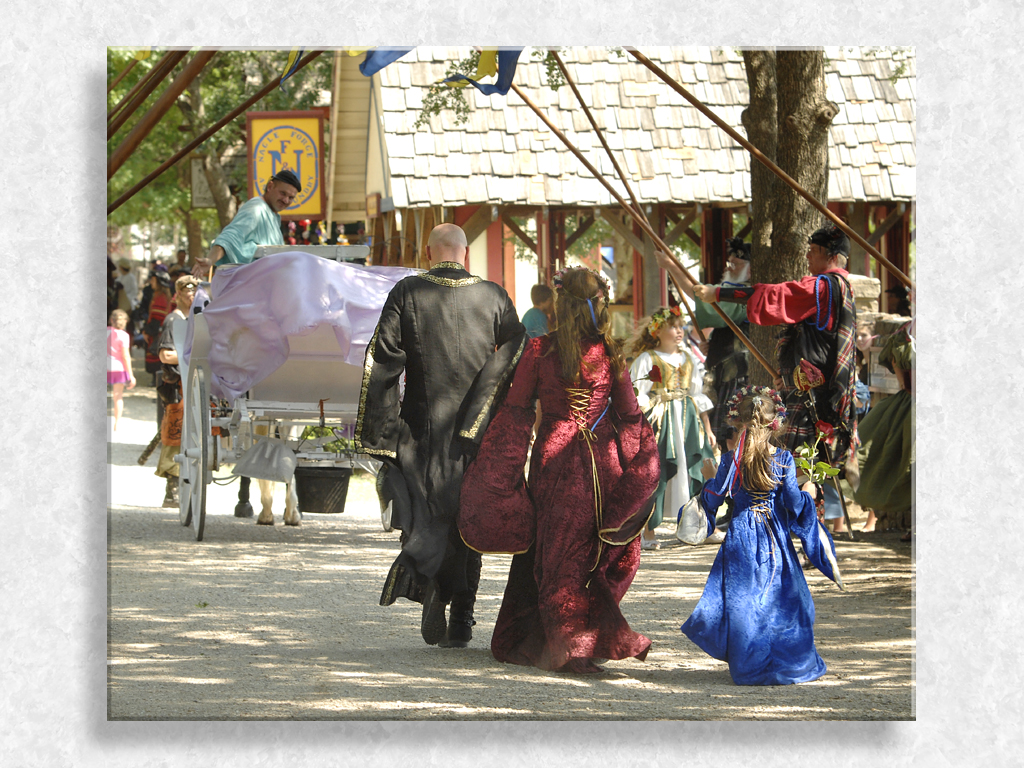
(756, 611)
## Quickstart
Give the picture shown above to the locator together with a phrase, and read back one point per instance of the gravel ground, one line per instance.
(282, 623)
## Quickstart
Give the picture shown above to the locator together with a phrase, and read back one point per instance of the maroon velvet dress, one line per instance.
(574, 527)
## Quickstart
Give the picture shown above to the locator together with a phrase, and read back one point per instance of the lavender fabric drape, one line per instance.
(257, 306)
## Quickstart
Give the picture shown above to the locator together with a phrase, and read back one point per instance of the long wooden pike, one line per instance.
(120, 77)
(207, 134)
(158, 75)
(622, 176)
(141, 83)
(770, 165)
(645, 226)
(160, 107)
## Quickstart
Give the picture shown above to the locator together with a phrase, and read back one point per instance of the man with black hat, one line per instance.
(257, 222)
(821, 325)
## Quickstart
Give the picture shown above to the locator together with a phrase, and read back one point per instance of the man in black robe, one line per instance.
(457, 338)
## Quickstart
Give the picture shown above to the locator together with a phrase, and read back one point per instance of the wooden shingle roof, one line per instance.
(672, 153)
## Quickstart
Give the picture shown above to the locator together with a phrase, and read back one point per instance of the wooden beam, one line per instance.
(890, 221)
(580, 230)
(746, 230)
(160, 107)
(479, 222)
(159, 75)
(683, 227)
(610, 215)
(120, 77)
(518, 232)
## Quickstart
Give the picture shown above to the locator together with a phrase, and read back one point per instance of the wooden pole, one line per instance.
(158, 110)
(622, 176)
(205, 135)
(162, 70)
(135, 88)
(770, 165)
(119, 78)
(646, 227)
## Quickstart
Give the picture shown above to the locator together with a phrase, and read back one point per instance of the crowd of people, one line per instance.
(547, 444)
(553, 441)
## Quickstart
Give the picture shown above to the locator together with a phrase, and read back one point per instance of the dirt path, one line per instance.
(283, 623)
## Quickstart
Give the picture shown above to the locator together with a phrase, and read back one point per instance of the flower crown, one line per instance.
(662, 316)
(751, 391)
(606, 287)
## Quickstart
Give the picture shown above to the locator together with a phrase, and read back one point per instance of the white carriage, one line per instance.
(317, 383)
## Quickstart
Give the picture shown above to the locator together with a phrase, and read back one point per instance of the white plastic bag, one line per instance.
(693, 523)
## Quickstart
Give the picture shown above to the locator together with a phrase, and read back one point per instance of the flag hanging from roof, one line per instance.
(506, 69)
(293, 62)
(379, 58)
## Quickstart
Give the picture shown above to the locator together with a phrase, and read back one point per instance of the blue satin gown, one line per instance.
(756, 612)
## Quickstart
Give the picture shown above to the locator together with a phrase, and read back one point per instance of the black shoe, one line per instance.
(433, 625)
(458, 635)
(244, 509)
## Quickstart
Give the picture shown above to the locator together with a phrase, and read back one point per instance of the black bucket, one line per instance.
(322, 490)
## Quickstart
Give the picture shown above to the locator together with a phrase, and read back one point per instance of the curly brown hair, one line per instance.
(642, 340)
(580, 292)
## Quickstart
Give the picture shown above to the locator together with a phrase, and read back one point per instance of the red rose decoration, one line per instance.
(825, 429)
(655, 374)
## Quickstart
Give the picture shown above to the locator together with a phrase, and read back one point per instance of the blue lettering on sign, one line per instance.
(282, 158)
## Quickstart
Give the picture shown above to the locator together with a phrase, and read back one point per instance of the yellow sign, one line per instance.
(289, 141)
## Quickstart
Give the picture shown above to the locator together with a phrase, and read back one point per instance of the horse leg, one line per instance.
(291, 507)
(267, 499)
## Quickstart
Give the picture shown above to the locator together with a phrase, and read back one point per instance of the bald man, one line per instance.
(457, 338)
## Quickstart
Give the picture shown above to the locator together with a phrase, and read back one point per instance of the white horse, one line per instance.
(292, 516)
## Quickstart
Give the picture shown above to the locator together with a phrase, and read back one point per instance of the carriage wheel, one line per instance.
(195, 444)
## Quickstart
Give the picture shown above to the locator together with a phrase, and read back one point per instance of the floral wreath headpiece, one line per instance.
(605, 291)
(751, 391)
(662, 316)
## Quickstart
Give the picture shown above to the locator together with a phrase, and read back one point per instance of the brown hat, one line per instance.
(186, 281)
(124, 263)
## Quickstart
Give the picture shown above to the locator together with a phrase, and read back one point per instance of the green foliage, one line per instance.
(552, 74)
(339, 445)
(227, 80)
(819, 471)
(899, 55)
(442, 96)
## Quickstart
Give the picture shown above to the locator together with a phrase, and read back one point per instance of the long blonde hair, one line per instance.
(579, 293)
(757, 417)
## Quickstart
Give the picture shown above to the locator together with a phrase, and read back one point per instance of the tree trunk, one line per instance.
(788, 120)
(194, 232)
(760, 120)
(804, 118)
(195, 113)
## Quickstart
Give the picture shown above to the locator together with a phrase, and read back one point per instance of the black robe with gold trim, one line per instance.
(458, 339)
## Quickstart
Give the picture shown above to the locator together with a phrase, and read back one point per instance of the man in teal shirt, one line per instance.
(257, 222)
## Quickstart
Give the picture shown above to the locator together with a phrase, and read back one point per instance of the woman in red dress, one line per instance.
(574, 528)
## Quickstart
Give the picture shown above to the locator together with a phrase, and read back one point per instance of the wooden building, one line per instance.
(504, 162)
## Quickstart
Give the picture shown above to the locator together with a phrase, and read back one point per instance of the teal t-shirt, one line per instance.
(255, 224)
(536, 323)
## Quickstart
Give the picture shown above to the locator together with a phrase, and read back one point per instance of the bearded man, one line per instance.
(817, 368)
